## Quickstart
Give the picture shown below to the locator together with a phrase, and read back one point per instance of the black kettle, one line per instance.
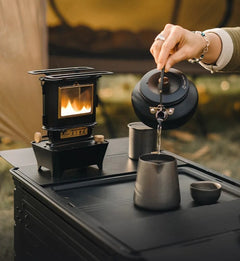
(179, 99)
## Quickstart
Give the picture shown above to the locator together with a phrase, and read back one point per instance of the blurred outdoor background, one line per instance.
(115, 36)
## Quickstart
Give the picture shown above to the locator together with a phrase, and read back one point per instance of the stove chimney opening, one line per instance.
(75, 100)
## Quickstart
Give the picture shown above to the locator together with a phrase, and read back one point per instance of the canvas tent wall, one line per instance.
(100, 29)
(23, 47)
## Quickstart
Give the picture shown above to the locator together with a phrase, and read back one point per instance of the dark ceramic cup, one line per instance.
(205, 192)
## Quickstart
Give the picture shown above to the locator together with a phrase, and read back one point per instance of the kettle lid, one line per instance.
(175, 86)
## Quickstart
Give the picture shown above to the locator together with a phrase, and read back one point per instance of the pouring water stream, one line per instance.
(159, 119)
(159, 134)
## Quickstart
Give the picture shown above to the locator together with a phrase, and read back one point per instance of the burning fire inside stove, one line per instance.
(69, 116)
(75, 101)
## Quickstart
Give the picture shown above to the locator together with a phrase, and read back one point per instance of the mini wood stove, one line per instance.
(69, 116)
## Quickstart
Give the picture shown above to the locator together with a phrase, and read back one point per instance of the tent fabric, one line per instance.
(23, 47)
(24, 41)
(138, 15)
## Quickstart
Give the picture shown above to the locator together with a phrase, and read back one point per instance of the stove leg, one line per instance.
(100, 166)
(57, 161)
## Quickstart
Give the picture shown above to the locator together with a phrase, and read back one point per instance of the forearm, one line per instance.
(234, 63)
(229, 58)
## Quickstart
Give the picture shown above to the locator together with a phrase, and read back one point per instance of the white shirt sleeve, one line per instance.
(226, 53)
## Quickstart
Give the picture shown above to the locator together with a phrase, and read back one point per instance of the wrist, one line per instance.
(205, 46)
(214, 50)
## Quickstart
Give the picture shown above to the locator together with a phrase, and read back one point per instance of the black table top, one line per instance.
(104, 204)
(25, 156)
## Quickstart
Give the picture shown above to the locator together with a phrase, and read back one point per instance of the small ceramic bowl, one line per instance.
(205, 192)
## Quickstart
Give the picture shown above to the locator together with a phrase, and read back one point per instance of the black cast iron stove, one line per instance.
(69, 116)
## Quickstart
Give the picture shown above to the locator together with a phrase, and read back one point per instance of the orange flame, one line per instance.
(76, 101)
(75, 108)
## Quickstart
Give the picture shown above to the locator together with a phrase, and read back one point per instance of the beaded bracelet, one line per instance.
(205, 49)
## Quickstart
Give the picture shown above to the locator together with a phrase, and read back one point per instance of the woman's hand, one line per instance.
(181, 44)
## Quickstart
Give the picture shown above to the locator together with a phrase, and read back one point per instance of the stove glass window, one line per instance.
(75, 100)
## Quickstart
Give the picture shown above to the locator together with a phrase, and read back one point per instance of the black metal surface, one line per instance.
(75, 76)
(69, 156)
(112, 166)
(223, 246)
(50, 105)
(58, 78)
(113, 200)
(60, 70)
(26, 157)
(102, 210)
(70, 142)
(94, 218)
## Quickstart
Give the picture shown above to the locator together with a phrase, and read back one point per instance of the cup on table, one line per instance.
(142, 139)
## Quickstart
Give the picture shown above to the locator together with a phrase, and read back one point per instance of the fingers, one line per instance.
(164, 51)
(157, 44)
(156, 48)
(169, 48)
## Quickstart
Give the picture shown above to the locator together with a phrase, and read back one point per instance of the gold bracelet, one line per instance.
(204, 51)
